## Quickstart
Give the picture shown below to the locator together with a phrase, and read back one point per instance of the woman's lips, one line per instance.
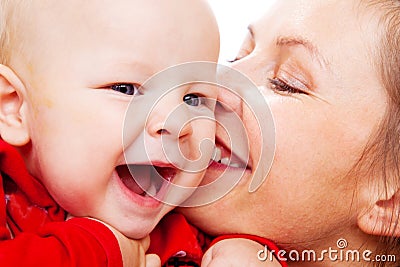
(224, 162)
(224, 155)
(217, 171)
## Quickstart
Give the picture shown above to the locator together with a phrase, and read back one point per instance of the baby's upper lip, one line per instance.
(162, 164)
(155, 163)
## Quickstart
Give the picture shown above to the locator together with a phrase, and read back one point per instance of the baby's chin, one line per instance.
(137, 230)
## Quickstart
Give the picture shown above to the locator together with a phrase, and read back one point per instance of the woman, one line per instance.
(330, 71)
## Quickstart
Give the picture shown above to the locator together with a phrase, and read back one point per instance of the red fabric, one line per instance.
(37, 234)
(174, 235)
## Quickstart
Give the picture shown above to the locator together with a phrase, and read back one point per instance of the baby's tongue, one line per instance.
(141, 174)
(166, 173)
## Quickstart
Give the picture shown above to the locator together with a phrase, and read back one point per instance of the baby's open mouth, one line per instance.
(145, 180)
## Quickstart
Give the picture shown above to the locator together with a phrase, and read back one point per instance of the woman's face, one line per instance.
(314, 63)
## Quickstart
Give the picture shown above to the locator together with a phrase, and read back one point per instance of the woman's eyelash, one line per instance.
(241, 55)
(235, 59)
(281, 86)
(232, 60)
(238, 57)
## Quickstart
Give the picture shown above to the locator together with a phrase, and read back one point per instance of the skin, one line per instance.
(71, 119)
(221, 254)
(309, 199)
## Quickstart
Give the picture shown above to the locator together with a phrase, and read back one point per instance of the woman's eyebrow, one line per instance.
(309, 47)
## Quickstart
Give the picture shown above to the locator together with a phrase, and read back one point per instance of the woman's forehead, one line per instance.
(331, 30)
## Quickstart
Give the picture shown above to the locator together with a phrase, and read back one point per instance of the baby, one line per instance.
(69, 72)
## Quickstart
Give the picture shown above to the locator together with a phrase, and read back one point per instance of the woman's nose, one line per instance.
(229, 94)
(228, 101)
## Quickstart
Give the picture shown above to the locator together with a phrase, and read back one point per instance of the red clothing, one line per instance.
(32, 227)
(174, 239)
(185, 244)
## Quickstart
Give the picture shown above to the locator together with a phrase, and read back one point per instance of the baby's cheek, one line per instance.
(190, 179)
(205, 140)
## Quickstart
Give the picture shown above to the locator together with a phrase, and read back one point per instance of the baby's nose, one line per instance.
(170, 119)
(175, 127)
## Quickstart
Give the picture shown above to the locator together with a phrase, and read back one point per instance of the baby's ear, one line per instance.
(383, 218)
(13, 124)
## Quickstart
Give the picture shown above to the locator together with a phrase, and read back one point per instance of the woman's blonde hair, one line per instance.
(382, 157)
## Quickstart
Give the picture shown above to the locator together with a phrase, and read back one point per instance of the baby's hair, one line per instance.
(4, 33)
(8, 26)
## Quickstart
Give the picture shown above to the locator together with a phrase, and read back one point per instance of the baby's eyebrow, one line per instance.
(311, 48)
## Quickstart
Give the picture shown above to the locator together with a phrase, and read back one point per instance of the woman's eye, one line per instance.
(126, 88)
(280, 86)
(192, 100)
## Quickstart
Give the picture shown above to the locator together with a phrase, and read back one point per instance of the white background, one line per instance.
(233, 17)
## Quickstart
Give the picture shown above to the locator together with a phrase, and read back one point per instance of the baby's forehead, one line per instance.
(58, 24)
(48, 17)
(95, 34)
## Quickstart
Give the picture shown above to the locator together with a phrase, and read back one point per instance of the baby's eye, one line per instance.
(126, 88)
(193, 100)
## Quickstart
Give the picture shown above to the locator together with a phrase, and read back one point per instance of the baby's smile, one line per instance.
(147, 180)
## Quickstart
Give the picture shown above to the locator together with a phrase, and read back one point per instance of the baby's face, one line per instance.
(81, 64)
